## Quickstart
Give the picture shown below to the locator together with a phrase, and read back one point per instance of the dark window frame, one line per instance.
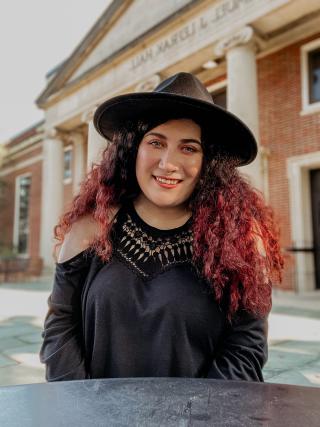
(312, 99)
(68, 178)
(23, 224)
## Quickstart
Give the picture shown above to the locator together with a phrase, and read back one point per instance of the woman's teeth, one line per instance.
(167, 181)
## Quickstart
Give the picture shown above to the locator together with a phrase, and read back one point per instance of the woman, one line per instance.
(167, 254)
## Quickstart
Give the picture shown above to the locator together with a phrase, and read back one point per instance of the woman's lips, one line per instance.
(164, 183)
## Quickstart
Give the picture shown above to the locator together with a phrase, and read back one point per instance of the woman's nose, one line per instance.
(168, 162)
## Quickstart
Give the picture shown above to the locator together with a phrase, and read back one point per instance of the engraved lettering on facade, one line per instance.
(228, 7)
(189, 31)
(144, 57)
(203, 23)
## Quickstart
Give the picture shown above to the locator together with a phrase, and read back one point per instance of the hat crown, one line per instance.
(181, 95)
(184, 84)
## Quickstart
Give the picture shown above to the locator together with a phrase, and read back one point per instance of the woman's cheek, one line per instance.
(146, 155)
(194, 169)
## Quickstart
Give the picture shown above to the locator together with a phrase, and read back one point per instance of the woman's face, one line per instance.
(169, 162)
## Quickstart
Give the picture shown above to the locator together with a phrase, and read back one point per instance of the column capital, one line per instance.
(244, 36)
(52, 133)
(265, 151)
(55, 133)
(74, 136)
(87, 116)
(65, 136)
(149, 84)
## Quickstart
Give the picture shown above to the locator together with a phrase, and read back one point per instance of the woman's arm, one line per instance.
(62, 349)
(243, 350)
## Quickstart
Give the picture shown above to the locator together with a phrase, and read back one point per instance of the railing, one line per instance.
(302, 249)
(12, 264)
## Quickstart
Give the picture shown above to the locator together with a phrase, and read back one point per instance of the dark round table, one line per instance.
(159, 402)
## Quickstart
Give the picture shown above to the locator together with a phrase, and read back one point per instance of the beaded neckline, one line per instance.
(153, 230)
(147, 250)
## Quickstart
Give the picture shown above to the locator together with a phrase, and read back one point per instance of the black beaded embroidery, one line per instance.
(146, 253)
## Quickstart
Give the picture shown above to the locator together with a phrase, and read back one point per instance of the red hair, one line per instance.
(236, 243)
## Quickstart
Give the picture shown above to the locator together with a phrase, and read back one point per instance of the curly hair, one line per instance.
(236, 242)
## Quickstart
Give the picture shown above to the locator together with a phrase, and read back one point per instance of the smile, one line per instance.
(167, 181)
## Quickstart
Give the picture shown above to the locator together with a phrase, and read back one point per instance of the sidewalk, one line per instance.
(22, 310)
(294, 335)
(294, 339)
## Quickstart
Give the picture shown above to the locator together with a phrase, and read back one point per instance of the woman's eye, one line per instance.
(189, 149)
(155, 143)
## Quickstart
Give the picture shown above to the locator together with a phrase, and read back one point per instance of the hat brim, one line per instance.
(231, 136)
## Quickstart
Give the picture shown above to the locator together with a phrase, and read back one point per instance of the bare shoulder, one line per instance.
(80, 236)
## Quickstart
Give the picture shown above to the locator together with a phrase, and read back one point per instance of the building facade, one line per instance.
(259, 58)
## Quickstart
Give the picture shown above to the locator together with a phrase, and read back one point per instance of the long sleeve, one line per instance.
(244, 350)
(62, 347)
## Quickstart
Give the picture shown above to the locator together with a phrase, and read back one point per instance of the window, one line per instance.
(67, 165)
(22, 231)
(310, 72)
(314, 76)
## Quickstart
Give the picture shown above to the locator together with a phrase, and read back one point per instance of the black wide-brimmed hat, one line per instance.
(183, 95)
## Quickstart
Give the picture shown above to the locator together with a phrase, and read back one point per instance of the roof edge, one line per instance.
(95, 32)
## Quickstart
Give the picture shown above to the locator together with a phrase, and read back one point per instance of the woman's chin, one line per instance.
(166, 202)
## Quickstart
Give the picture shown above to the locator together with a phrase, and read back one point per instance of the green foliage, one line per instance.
(3, 192)
(7, 251)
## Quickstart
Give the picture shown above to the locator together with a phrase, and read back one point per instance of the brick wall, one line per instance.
(67, 196)
(7, 215)
(283, 130)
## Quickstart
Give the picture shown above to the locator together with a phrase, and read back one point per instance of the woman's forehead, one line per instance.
(179, 126)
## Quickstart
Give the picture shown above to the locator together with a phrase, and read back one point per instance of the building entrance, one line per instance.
(315, 202)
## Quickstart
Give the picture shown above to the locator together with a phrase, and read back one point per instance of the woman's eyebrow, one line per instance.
(191, 140)
(160, 135)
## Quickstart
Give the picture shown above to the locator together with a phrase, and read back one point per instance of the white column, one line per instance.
(52, 193)
(96, 143)
(79, 167)
(242, 91)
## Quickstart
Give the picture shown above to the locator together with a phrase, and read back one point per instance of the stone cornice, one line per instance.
(6, 170)
(22, 146)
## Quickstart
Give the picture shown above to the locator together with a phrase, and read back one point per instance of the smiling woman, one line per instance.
(169, 158)
(167, 255)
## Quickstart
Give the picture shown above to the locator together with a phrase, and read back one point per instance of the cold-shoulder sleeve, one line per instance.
(243, 351)
(62, 347)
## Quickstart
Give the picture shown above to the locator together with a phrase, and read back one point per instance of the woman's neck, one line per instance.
(163, 218)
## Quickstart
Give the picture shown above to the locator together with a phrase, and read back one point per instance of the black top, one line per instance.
(145, 313)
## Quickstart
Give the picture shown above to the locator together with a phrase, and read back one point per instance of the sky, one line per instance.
(35, 36)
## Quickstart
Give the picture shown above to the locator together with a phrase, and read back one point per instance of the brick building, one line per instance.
(258, 58)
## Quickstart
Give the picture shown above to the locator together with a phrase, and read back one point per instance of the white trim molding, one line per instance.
(298, 168)
(307, 107)
(35, 140)
(23, 164)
